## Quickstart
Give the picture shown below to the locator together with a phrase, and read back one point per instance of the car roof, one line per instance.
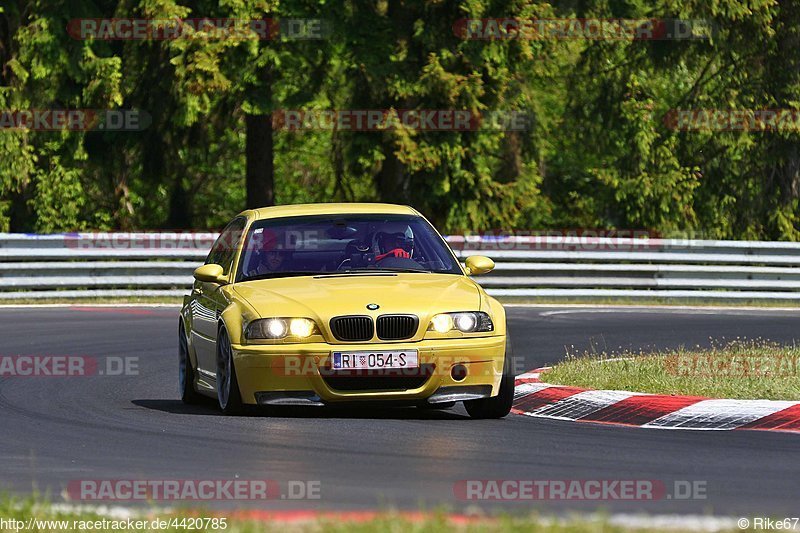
(331, 209)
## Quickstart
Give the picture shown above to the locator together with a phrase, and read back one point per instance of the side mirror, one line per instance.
(478, 264)
(210, 273)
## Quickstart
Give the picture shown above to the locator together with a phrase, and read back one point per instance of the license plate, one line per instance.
(372, 360)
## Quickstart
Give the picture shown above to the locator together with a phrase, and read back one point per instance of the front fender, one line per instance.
(236, 316)
(496, 311)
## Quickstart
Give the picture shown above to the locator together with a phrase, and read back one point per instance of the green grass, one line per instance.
(13, 508)
(740, 369)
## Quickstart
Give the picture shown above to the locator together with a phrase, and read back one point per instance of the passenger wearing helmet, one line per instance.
(397, 244)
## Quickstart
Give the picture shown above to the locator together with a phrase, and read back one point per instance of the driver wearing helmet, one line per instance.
(397, 244)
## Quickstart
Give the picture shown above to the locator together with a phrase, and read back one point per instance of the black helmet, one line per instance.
(388, 241)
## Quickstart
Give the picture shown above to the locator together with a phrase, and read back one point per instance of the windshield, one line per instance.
(351, 244)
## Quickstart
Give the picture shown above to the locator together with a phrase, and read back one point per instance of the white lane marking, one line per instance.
(674, 522)
(719, 414)
(111, 512)
(582, 404)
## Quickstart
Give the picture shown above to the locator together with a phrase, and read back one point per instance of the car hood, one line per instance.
(324, 297)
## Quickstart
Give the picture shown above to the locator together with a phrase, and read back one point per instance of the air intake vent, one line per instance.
(397, 327)
(379, 380)
(352, 328)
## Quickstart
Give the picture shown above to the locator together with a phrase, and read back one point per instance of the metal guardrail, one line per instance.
(161, 264)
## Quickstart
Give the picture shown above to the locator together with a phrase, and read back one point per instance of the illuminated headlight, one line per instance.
(280, 328)
(301, 327)
(442, 323)
(465, 322)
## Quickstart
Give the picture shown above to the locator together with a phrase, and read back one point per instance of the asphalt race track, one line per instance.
(58, 429)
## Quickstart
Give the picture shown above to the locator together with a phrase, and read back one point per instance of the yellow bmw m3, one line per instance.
(329, 303)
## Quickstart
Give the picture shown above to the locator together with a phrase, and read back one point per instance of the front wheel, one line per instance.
(230, 399)
(500, 405)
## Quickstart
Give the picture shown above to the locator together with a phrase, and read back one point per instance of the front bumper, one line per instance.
(301, 372)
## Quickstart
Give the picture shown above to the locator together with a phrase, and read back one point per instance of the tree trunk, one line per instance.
(20, 214)
(260, 165)
(511, 163)
(179, 216)
(392, 180)
(260, 174)
(786, 76)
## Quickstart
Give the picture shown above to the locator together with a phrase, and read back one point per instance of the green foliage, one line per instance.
(597, 153)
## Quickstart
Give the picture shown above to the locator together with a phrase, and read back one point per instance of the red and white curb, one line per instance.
(534, 398)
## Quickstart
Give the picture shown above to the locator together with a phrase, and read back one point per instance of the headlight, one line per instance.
(280, 328)
(465, 322)
(301, 327)
(442, 323)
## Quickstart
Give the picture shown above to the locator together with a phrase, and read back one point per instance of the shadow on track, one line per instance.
(348, 411)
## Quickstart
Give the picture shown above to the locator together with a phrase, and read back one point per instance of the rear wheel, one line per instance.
(185, 370)
(230, 399)
(500, 405)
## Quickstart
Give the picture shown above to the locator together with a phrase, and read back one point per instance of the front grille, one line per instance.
(352, 328)
(379, 380)
(397, 327)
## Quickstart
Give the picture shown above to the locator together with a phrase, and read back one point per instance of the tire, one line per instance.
(228, 395)
(500, 405)
(189, 395)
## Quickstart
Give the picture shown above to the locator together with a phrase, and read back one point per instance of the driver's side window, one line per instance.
(224, 249)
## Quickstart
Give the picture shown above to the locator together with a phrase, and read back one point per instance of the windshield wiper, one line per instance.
(355, 271)
(286, 274)
(379, 269)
